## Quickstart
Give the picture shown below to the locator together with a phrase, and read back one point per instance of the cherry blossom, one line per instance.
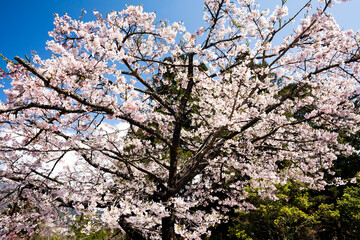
(211, 114)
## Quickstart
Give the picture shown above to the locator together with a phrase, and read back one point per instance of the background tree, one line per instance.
(223, 127)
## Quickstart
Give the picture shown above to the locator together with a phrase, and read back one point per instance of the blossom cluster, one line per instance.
(211, 115)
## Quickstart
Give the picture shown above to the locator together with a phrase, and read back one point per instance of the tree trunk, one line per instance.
(168, 227)
(338, 231)
(132, 233)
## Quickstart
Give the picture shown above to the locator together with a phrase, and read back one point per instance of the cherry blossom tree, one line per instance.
(233, 106)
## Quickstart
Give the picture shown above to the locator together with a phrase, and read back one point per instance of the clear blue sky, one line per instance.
(24, 24)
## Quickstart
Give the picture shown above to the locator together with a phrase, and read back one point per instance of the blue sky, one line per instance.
(24, 24)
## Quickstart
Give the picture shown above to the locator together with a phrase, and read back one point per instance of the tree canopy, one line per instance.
(213, 115)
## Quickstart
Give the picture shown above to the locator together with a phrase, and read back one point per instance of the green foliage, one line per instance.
(349, 207)
(299, 213)
(286, 218)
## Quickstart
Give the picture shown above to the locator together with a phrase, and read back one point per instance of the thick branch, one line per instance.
(201, 161)
(179, 121)
(104, 169)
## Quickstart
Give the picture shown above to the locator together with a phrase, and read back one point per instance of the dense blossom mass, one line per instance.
(138, 125)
